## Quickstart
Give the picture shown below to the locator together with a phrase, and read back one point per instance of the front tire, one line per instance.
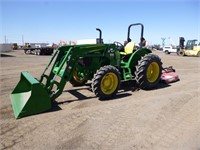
(148, 71)
(181, 53)
(35, 52)
(106, 82)
(167, 52)
(77, 80)
(38, 52)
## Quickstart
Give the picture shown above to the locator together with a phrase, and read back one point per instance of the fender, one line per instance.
(137, 55)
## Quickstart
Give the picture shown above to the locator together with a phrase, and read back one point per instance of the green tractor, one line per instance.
(106, 65)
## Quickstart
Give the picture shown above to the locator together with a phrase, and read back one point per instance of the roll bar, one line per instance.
(135, 24)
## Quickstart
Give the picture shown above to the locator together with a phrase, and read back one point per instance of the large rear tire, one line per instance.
(148, 71)
(106, 82)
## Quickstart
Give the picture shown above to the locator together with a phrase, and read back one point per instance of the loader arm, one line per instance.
(64, 65)
(32, 96)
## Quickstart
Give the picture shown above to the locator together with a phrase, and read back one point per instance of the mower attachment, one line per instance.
(29, 97)
(169, 75)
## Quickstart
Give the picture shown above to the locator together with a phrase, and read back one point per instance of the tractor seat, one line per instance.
(128, 48)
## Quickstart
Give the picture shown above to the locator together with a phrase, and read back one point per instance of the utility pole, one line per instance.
(22, 40)
(163, 41)
(5, 39)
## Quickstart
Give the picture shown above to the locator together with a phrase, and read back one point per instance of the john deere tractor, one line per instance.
(106, 65)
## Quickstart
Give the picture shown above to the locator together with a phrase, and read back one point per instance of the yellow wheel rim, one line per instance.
(153, 72)
(77, 78)
(109, 83)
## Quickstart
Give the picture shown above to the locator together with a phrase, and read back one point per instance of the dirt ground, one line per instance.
(167, 117)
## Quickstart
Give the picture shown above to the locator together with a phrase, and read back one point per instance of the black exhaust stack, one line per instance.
(99, 40)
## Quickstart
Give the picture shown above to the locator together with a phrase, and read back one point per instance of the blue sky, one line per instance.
(52, 21)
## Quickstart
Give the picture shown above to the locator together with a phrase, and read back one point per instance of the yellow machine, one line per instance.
(192, 48)
(14, 46)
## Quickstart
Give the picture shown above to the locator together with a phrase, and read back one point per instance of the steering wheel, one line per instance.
(119, 46)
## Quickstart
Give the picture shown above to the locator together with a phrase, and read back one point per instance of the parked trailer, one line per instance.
(37, 49)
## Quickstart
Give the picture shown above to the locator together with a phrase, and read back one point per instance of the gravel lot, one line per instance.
(167, 117)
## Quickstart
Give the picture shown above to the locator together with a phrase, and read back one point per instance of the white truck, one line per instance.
(169, 49)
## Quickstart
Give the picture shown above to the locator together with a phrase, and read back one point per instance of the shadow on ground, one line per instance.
(128, 86)
(6, 55)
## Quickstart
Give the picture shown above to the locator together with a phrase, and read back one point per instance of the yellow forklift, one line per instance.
(192, 48)
(14, 46)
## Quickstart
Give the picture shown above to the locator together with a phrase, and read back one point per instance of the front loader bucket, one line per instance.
(29, 97)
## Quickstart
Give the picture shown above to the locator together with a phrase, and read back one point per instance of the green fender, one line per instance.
(136, 56)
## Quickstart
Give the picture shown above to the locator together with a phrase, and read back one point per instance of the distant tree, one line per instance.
(157, 46)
